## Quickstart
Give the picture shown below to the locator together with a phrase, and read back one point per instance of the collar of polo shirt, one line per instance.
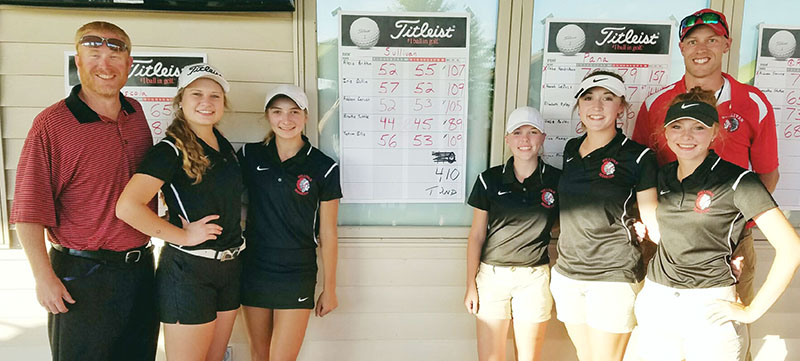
(509, 176)
(84, 113)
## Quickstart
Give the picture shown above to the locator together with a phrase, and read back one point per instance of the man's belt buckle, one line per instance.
(133, 256)
(228, 255)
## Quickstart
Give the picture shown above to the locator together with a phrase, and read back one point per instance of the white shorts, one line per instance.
(673, 325)
(519, 293)
(605, 306)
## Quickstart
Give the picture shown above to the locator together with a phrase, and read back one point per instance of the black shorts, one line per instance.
(192, 289)
(279, 278)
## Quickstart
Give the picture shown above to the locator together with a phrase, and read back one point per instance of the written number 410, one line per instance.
(447, 174)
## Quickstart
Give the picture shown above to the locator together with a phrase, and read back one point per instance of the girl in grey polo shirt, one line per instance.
(508, 274)
(688, 308)
(599, 268)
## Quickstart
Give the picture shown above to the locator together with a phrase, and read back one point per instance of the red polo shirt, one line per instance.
(748, 136)
(73, 167)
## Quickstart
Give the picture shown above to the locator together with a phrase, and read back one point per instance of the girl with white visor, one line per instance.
(599, 268)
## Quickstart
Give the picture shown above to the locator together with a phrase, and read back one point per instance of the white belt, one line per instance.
(222, 256)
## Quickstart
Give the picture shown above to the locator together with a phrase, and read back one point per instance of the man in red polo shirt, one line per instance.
(97, 283)
(748, 138)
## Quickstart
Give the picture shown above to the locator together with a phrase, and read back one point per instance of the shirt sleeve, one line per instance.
(764, 147)
(642, 129)
(479, 198)
(751, 197)
(36, 186)
(331, 185)
(556, 179)
(161, 161)
(648, 166)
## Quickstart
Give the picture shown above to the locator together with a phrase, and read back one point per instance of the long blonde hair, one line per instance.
(194, 162)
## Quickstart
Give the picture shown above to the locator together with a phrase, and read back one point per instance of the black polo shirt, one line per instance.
(520, 214)
(220, 191)
(598, 198)
(700, 220)
(283, 211)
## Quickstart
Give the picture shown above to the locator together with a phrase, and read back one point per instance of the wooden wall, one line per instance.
(253, 50)
(400, 298)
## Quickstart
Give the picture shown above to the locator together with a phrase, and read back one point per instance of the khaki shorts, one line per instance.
(519, 293)
(605, 306)
(673, 325)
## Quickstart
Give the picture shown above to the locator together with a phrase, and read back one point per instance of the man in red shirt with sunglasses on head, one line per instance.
(97, 283)
(748, 137)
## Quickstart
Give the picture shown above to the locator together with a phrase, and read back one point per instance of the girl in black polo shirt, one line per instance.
(508, 271)
(688, 307)
(294, 193)
(196, 168)
(599, 268)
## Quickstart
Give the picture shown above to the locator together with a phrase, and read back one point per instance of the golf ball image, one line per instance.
(781, 45)
(570, 39)
(364, 33)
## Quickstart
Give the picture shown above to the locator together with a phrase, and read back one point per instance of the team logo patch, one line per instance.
(732, 123)
(703, 201)
(548, 198)
(608, 168)
(303, 184)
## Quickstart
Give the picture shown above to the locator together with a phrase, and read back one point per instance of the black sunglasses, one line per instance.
(94, 41)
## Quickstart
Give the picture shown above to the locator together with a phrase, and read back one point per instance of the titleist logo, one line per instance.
(409, 29)
(623, 35)
(202, 68)
(147, 68)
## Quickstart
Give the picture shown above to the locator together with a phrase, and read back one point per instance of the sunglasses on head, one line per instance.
(94, 41)
(702, 18)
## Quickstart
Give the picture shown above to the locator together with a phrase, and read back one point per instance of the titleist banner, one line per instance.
(622, 38)
(404, 31)
(149, 71)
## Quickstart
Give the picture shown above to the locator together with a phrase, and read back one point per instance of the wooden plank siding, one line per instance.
(400, 293)
(404, 304)
(255, 51)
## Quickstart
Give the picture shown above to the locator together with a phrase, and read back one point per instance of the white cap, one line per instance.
(292, 91)
(606, 81)
(193, 72)
(524, 116)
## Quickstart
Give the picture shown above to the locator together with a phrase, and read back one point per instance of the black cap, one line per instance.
(702, 112)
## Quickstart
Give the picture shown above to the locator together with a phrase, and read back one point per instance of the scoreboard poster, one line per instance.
(638, 51)
(778, 76)
(403, 91)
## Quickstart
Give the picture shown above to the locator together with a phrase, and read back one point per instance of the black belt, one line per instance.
(130, 256)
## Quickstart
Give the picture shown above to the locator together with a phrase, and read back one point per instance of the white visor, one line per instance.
(605, 81)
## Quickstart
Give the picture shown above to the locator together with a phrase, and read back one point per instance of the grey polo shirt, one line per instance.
(520, 214)
(598, 198)
(700, 219)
